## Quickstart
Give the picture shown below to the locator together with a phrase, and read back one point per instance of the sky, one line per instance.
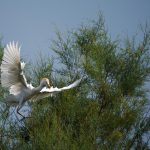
(33, 22)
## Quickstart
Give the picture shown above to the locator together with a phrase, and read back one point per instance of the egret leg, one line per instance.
(19, 107)
(23, 117)
(20, 113)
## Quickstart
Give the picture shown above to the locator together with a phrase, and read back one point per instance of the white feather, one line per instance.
(52, 89)
(13, 78)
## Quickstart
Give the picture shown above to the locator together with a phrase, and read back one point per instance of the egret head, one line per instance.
(45, 83)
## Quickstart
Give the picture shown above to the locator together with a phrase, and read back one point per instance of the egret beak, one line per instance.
(48, 86)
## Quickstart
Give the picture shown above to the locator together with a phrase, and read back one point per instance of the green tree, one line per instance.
(115, 84)
(108, 110)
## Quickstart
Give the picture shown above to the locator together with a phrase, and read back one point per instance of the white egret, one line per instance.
(13, 78)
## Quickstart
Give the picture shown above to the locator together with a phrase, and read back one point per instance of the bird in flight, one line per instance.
(13, 78)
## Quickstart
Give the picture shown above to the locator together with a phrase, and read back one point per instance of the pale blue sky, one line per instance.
(32, 22)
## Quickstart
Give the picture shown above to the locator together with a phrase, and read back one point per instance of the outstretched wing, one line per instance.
(12, 76)
(46, 92)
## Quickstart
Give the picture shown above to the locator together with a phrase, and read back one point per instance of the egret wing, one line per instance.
(46, 92)
(52, 89)
(12, 76)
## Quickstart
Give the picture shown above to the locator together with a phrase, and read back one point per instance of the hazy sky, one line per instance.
(32, 22)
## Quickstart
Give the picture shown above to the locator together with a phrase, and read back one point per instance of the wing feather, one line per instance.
(46, 92)
(12, 76)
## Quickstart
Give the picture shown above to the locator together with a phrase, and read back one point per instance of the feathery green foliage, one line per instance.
(108, 110)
